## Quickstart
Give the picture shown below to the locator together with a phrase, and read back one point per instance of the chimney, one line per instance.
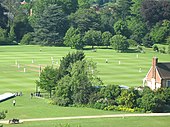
(154, 64)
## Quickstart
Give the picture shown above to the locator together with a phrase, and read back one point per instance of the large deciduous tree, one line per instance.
(154, 11)
(51, 26)
(85, 19)
(119, 43)
(73, 38)
(66, 62)
(124, 8)
(93, 38)
(106, 38)
(120, 27)
(81, 84)
(48, 79)
(160, 32)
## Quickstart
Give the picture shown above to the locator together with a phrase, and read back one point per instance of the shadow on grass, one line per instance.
(132, 51)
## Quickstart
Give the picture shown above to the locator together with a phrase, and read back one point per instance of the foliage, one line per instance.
(27, 39)
(137, 28)
(75, 85)
(63, 92)
(69, 59)
(21, 26)
(110, 91)
(48, 79)
(162, 50)
(128, 98)
(81, 82)
(85, 19)
(121, 28)
(124, 8)
(51, 26)
(132, 42)
(155, 11)
(4, 18)
(73, 38)
(119, 43)
(2, 116)
(106, 38)
(147, 42)
(93, 38)
(155, 48)
(160, 32)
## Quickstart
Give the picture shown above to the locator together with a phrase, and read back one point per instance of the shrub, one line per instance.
(132, 42)
(26, 39)
(119, 108)
(162, 50)
(155, 48)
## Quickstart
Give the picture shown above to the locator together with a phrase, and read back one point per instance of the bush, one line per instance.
(26, 39)
(119, 108)
(132, 42)
(62, 101)
(155, 48)
(140, 49)
(162, 50)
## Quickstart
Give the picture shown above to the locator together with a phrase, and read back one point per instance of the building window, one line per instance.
(168, 83)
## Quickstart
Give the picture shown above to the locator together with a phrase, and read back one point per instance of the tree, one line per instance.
(83, 3)
(106, 38)
(63, 93)
(69, 6)
(73, 38)
(137, 28)
(119, 43)
(4, 18)
(93, 38)
(81, 85)
(160, 32)
(27, 39)
(51, 26)
(85, 19)
(120, 27)
(21, 26)
(66, 62)
(147, 42)
(48, 79)
(107, 19)
(155, 11)
(135, 8)
(124, 8)
(75, 85)
(110, 92)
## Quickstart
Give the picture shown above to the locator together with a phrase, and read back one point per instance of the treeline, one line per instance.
(75, 83)
(78, 23)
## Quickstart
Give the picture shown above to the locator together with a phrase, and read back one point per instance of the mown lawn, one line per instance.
(122, 69)
(104, 122)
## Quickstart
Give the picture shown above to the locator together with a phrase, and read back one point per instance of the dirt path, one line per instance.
(89, 117)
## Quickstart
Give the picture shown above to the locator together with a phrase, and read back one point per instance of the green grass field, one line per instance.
(123, 68)
(104, 122)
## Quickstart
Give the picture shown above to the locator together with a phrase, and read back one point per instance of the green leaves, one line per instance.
(51, 26)
(119, 43)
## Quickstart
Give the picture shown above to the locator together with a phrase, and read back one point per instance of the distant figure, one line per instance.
(14, 102)
(106, 61)
(31, 95)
